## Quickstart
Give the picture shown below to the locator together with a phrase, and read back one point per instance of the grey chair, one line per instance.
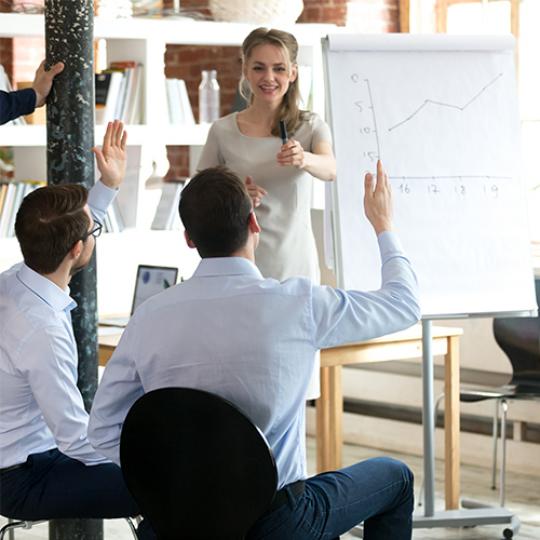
(14, 524)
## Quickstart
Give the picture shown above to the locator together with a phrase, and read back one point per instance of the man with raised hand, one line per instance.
(48, 469)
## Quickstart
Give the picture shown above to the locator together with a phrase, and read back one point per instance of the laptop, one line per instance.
(150, 280)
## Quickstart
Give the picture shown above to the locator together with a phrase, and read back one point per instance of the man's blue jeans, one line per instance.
(378, 492)
(52, 485)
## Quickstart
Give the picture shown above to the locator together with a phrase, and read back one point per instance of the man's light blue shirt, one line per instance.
(40, 405)
(251, 340)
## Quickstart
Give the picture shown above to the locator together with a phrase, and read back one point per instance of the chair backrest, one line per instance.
(196, 465)
(519, 338)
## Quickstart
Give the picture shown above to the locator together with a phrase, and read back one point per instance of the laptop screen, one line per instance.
(152, 280)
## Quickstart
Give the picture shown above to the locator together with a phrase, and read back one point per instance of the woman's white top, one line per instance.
(287, 247)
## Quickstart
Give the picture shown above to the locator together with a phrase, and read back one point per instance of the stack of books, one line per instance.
(118, 93)
(167, 216)
(13, 192)
(11, 195)
(113, 221)
(180, 111)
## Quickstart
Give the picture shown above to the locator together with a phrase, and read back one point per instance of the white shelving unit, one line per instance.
(145, 41)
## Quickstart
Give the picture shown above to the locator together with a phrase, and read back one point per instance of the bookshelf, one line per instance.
(145, 41)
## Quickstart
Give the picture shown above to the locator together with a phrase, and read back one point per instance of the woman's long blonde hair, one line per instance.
(289, 110)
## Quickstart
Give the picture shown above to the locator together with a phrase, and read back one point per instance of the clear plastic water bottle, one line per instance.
(208, 97)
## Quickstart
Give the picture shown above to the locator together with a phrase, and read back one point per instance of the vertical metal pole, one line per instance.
(427, 419)
(495, 442)
(502, 487)
(69, 33)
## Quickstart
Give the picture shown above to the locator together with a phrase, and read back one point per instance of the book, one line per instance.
(173, 101)
(120, 104)
(109, 84)
(7, 210)
(11, 195)
(134, 110)
(102, 82)
(187, 111)
(20, 188)
(166, 216)
(130, 106)
(180, 111)
(3, 191)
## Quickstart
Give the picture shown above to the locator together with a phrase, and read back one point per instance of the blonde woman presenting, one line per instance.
(279, 166)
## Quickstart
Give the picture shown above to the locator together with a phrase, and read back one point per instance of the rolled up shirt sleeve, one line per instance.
(348, 316)
(99, 199)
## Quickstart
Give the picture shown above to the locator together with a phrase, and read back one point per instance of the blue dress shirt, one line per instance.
(15, 104)
(40, 405)
(251, 340)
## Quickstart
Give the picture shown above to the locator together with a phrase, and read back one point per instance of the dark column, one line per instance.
(70, 136)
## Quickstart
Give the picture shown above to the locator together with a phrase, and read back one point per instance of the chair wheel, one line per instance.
(508, 533)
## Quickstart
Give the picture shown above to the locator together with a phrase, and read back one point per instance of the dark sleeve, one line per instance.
(15, 104)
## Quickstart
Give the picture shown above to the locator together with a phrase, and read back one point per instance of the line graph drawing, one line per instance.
(460, 108)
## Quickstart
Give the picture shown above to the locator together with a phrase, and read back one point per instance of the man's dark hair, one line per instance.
(49, 222)
(215, 208)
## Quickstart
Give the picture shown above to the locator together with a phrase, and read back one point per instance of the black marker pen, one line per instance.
(283, 132)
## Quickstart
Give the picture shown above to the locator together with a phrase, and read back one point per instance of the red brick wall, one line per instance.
(324, 11)
(21, 56)
(6, 56)
(29, 53)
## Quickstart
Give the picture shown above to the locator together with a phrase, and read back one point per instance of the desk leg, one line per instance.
(329, 411)
(451, 425)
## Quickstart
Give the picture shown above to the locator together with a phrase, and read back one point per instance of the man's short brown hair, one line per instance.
(49, 222)
(215, 208)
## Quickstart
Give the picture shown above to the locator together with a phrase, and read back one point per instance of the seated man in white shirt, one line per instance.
(253, 341)
(48, 469)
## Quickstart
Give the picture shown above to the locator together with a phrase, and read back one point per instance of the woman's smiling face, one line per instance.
(269, 73)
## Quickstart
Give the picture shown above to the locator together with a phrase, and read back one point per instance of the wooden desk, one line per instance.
(401, 345)
(107, 344)
(398, 346)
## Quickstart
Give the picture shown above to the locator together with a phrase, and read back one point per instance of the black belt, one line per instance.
(12, 468)
(281, 496)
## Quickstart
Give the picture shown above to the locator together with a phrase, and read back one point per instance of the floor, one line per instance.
(523, 498)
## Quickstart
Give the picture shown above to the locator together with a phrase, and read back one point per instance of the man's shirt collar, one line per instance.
(227, 266)
(48, 291)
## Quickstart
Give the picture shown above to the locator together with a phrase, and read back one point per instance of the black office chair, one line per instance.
(519, 338)
(196, 465)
